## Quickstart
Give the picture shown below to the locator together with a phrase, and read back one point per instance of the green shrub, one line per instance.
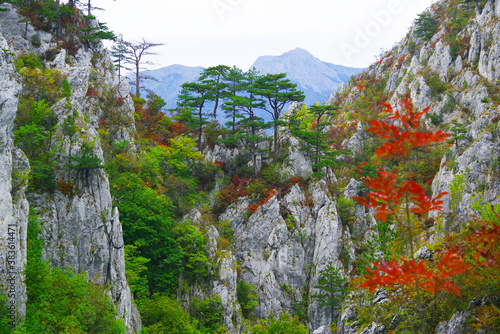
(426, 26)
(247, 297)
(209, 314)
(284, 324)
(437, 87)
(436, 118)
(345, 208)
(162, 314)
(450, 105)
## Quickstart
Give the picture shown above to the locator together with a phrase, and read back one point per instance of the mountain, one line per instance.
(168, 81)
(316, 78)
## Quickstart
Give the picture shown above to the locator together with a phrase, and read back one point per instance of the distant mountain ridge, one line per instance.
(169, 81)
(316, 78)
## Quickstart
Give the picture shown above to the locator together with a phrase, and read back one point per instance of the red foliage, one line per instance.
(91, 92)
(219, 163)
(408, 272)
(177, 129)
(401, 142)
(64, 187)
(384, 195)
(231, 194)
(269, 194)
(119, 100)
(487, 239)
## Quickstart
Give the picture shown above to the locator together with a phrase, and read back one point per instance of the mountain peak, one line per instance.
(314, 77)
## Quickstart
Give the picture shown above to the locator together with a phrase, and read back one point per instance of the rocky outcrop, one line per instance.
(14, 208)
(282, 248)
(81, 227)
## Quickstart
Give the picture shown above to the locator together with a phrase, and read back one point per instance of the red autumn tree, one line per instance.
(406, 202)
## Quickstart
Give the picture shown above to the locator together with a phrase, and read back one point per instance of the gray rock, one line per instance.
(424, 254)
(80, 230)
(14, 208)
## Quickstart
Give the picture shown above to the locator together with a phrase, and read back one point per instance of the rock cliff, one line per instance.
(80, 225)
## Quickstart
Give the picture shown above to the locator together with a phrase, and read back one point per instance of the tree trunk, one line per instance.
(137, 78)
(200, 129)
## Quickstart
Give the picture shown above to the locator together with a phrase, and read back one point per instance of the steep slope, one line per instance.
(316, 78)
(80, 226)
(454, 71)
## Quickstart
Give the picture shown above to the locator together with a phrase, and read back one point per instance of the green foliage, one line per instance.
(457, 188)
(436, 86)
(162, 314)
(450, 104)
(192, 98)
(30, 61)
(85, 161)
(276, 90)
(65, 88)
(333, 286)
(285, 324)
(148, 224)
(247, 297)
(196, 265)
(177, 168)
(208, 312)
(61, 301)
(135, 271)
(69, 127)
(274, 174)
(381, 246)
(345, 209)
(436, 118)
(426, 26)
(458, 132)
(307, 124)
(34, 135)
(5, 320)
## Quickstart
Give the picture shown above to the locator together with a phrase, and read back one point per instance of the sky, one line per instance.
(236, 32)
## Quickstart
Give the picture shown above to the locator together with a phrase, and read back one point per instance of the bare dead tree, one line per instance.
(138, 50)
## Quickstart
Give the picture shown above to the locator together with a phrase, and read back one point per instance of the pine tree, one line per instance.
(277, 91)
(215, 78)
(121, 55)
(243, 107)
(333, 286)
(193, 96)
(234, 81)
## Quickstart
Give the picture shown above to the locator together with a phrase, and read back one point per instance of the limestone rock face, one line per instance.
(81, 228)
(284, 245)
(14, 208)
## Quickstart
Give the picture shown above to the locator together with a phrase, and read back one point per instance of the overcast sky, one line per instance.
(236, 32)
